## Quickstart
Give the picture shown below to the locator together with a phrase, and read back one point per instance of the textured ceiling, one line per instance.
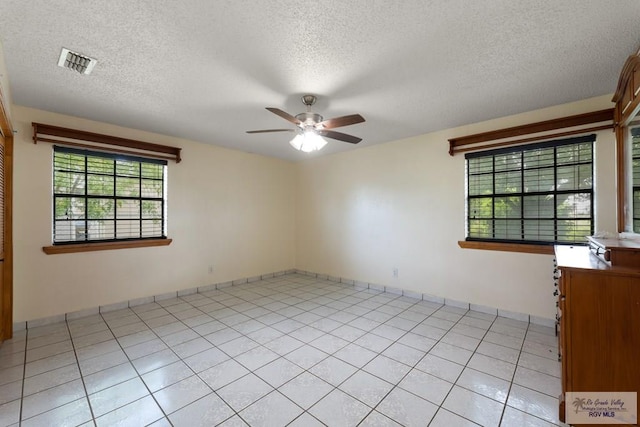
(204, 70)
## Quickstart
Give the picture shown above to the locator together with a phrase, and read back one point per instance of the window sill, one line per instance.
(507, 247)
(90, 247)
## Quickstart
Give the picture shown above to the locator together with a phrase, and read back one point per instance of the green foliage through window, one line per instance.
(101, 197)
(540, 193)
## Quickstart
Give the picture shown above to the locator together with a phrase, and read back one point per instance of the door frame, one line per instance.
(6, 299)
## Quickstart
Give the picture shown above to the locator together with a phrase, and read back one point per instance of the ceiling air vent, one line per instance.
(76, 62)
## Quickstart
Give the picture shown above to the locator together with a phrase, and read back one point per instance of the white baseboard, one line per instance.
(541, 321)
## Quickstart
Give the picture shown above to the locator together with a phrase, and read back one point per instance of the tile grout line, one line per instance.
(514, 376)
(24, 377)
(412, 367)
(135, 369)
(463, 368)
(84, 385)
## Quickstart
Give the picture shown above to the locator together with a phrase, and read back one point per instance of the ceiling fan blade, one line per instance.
(284, 115)
(270, 130)
(340, 136)
(341, 121)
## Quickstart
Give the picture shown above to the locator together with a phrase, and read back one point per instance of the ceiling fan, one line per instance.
(310, 127)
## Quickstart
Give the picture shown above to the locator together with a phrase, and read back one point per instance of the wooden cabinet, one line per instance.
(599, 319)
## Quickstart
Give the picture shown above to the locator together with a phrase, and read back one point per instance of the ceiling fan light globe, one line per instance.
(308, 141)
(313, 141)
(297, 142)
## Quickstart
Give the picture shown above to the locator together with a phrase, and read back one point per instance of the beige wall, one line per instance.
(4, 81)
(362, 213)
(229, 209)
(357, 214)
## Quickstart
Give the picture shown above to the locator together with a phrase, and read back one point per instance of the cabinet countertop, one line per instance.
(580, 257)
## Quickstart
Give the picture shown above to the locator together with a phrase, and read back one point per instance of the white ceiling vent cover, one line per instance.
(76, 62)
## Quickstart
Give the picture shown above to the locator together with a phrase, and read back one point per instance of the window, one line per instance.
(539, 194)
(103, 197)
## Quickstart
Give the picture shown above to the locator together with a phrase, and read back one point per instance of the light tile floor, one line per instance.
(291, 350)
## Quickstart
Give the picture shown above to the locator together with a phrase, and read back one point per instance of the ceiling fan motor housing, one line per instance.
(309, 119)
(309, 100)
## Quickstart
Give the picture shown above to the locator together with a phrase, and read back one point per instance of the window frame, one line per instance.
(87, 244)
(522, 244)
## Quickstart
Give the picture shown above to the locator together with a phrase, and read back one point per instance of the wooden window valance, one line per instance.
(78, 138)
(574, 125)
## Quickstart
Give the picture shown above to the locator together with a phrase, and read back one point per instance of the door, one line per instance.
(3, 327)
(6, 253)
(4, 334)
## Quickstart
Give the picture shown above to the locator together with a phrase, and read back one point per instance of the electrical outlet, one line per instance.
(395, 272)
(211, 269)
